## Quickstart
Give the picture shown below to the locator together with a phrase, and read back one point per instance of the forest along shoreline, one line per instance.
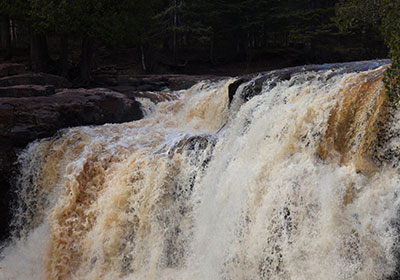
(36, 105)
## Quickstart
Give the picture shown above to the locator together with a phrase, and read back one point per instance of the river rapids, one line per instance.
(295, 176)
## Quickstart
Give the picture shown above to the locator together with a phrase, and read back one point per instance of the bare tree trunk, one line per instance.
(175, 19)
(86, 59)
(212, 50)
(64, 65)
(39, 52)
(166, 36)
(13, 33)
(6, 37)
(265, 36)
(143, 58)
(248, 51)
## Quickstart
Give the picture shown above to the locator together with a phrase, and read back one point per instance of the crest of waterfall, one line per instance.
(298, 179)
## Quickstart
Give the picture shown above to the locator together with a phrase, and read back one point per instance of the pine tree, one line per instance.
(91, 21)
(376, 16)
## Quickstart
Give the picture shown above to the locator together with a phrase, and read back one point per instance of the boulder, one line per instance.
(26, 91)
(34, 79)
(232, 88)
(25, 119)
(9, 69)
(257, 81)
(154, 96)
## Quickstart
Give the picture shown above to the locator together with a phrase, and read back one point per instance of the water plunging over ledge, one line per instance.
(296, 178)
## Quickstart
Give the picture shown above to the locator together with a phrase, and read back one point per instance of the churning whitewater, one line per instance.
(299, 180)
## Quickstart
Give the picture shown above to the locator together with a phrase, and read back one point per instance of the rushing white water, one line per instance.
(299, 182)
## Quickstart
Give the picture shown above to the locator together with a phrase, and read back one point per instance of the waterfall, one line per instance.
(298, 179)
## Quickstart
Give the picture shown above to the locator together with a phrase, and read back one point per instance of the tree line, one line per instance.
(211, 31)
(103, 21)
(381, 17)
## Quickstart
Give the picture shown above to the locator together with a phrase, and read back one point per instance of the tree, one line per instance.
(381, 16)
(391, 30)
(91, 21)
(5, 36)
(136, 25)
(21, 10)
(51, 18)
(169, 22)
(70, 18)
(9, 10)
(200, 21)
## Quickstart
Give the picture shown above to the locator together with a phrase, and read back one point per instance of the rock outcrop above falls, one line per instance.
(9, 69)
(27, 91)
(36, 105)
(25, 119)
(34, 79)
(252, 84)
(127, 83)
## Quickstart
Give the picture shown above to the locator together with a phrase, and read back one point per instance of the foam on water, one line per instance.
(299, 182)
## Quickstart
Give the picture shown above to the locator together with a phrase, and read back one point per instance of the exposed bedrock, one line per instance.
(126, 83)
(27, 91)
(252, 84)
(37, 105)
(8, 69)
(34, 79)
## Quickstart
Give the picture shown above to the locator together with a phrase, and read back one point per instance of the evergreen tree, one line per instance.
(376, 16)
(103, 21)
(391, 30)
(136, 25)
(9, 9)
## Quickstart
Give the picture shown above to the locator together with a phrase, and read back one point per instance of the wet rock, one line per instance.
(192, 143)
(154, 96)
(9, 69)
(258, 80)
(26, 91)
(232, 88)
(150, 82)
(39, 117)
(34, 79)
(179, 82)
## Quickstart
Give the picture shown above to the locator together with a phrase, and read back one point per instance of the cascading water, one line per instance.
(299, 182)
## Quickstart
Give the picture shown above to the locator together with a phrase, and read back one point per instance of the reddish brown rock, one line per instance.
(25, 119)
(34, 79)
(9, 69)
(26, 91)
(137, 83)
